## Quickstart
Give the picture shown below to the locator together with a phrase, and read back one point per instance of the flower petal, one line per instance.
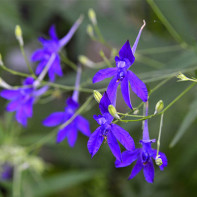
(63, 133)
(123, 137)
(112, 90)
(54, 119)
(28, 107)
(163, 158)
(83, 125)
(114, 146)
(40, 67)
(136, 169)
(95, 142)
(125, 91)
(128, 157)
(10, 94)
(104, 103)
(38, 55)
(149, 171)
(103, 74)
(41, 91)
(13, 105)
(21, 117)
(52, 33)
(72, 136)
(125, 52)
(138, 86)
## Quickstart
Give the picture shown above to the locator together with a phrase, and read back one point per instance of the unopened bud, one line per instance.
(97, 95)
(1, 62)
(182, 77)
(158, 160)
(92, 16)
(114, 52)
(85, 61)
(90, 31)
(18, 34)
(136, 111)
(159, 106)
(113, 112)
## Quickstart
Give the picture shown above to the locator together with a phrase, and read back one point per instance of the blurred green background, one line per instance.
(167, 46)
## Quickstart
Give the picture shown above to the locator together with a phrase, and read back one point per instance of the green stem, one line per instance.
(26, 60)
(105, 59)
(17, 182)
(68, 62)
(159, 136)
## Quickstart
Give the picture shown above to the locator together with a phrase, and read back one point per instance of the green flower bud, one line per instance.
(182, 77)
(90, 31)
(97, 95)
(159, 106)
(158, 160)
(113, 112)
(18, 34)
(92, 16)
(85, 61)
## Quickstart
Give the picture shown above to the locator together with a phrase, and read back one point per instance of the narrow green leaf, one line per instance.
(189, 118)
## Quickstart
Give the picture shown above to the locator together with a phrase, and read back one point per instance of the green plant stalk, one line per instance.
(27, 62)
(17, 182)
(69, 62)
(159, 136)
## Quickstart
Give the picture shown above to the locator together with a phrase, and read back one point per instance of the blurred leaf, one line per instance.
(173, 16)
(189, 118)
(62, 181)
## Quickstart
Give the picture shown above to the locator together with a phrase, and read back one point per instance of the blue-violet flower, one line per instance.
(121, 75)
(143, 156)
(78, 123)
(22, 99)
(50, 47)
(109, 132)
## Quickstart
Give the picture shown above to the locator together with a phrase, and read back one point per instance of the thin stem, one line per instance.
(105, 59)
(130, 115)
(159, 136)
(17, 182)
(26, 60)
(68, 62)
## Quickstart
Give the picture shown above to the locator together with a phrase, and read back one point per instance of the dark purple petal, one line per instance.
(72, 136)
(125, 91)
(7, 171)
(114, 146)
(40, 67)
(10, 94)
(54, 119)
(57, 66)
(104, 103)
(128, 157)
(136, 169)
(13, 105)
(149, 171)
(99, 119)
(51, 74)
(63, 133)
(28, 81)
(28, 107)
(123, 137)
(21, 117)
(95, 142)
(52, 33)
(163, 158)
(112, 89)
(72, 104)
(38, 55)
(103, 74)
(138, 86)
(125, 52)
(83, 125)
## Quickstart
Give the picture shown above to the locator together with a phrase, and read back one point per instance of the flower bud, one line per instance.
(113, 112)
(92, 16)
(158, 160)
(97, 95)
(159, 106)
(182, 77)
(18, 34)
(90, 31)
(85, 61)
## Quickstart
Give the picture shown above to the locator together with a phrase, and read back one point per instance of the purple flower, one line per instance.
(22, 99)
(69, 131)
(143, 157)
(78, 122)
(109, 132)
(121, 75)
(7, 172)
(53, 46)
